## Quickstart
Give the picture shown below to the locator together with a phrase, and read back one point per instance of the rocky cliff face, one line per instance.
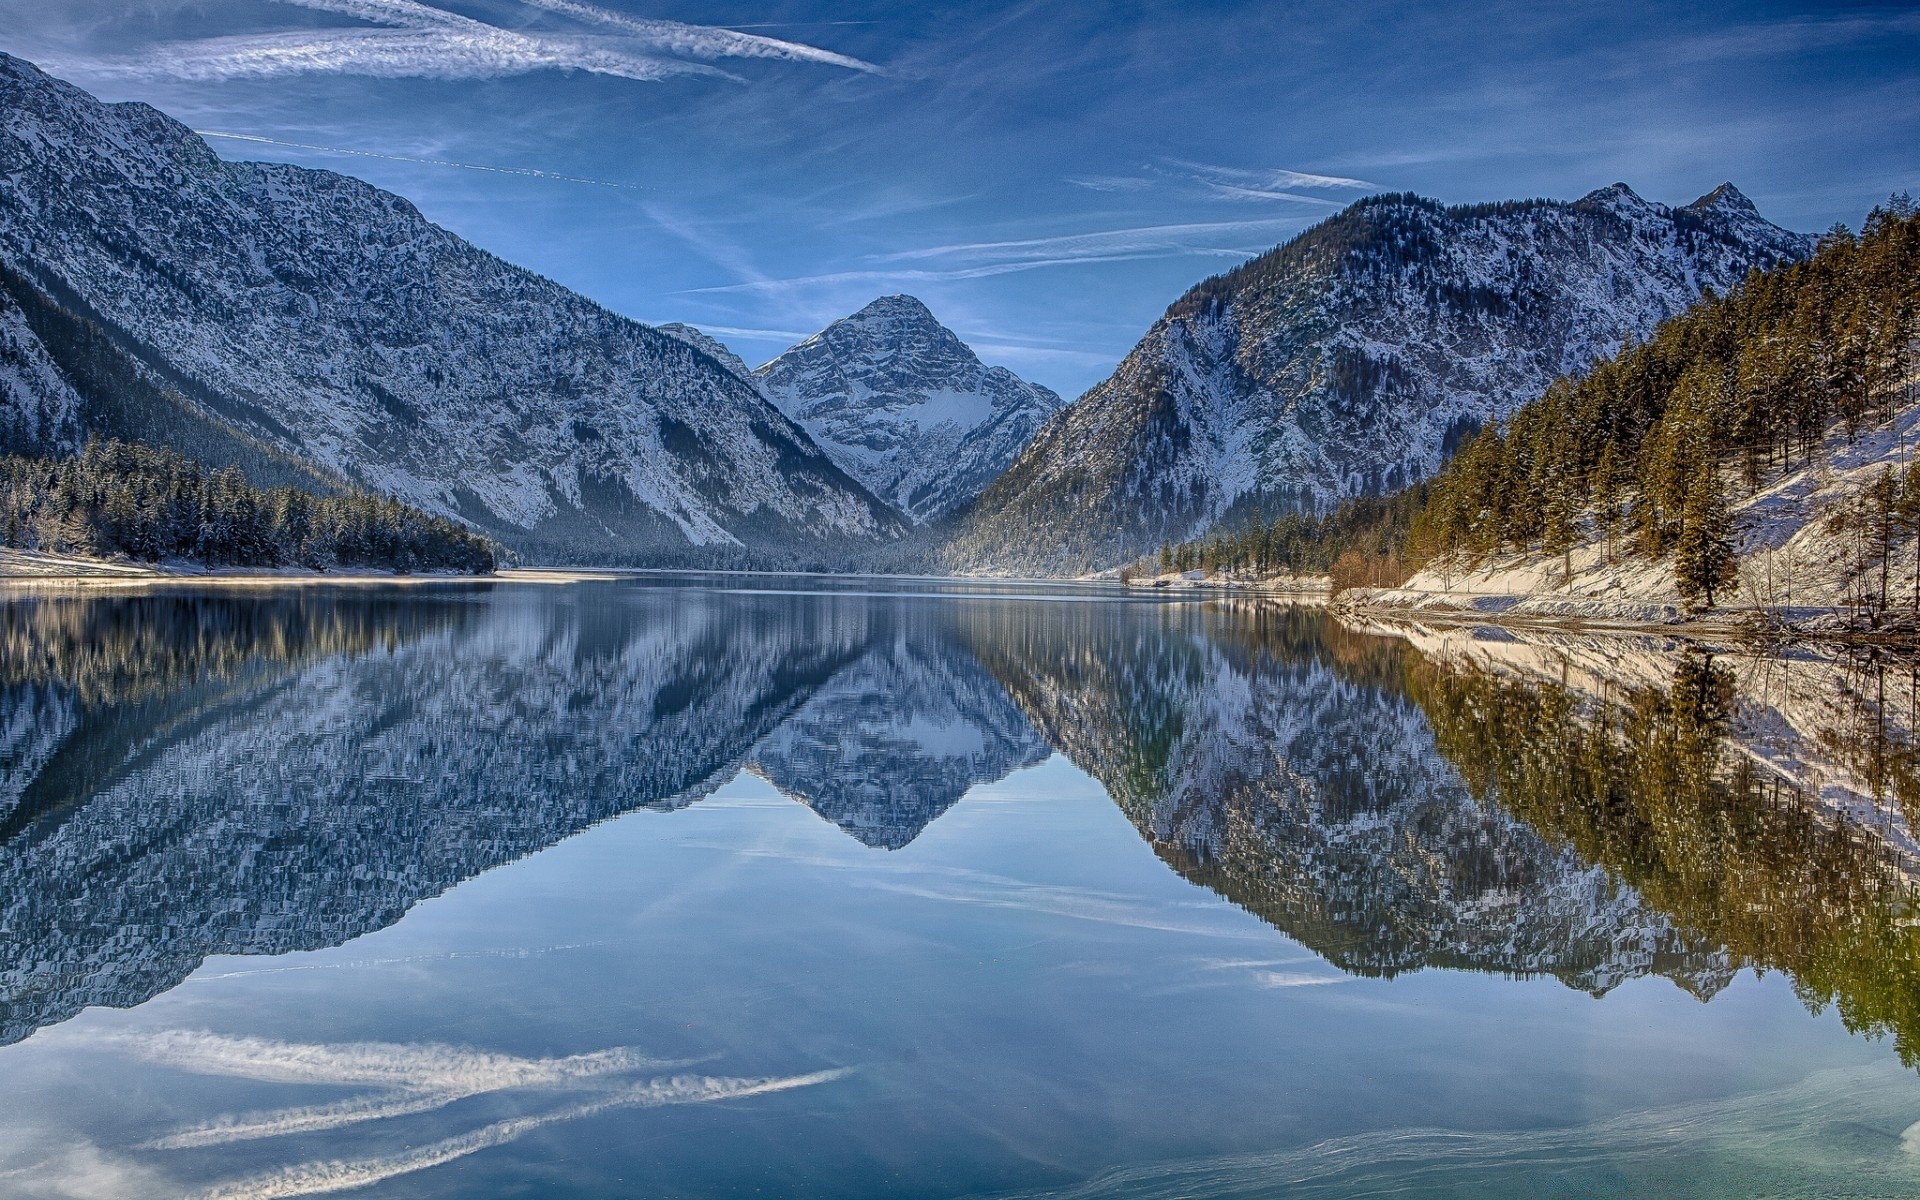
(1352, 360)
(905, 407)
(311, 316)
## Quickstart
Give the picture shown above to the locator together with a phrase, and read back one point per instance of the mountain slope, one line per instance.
(329, 321)
(1352, 360)
(905, 407)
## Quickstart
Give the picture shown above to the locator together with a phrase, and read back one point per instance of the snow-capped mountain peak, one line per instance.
(308, 318)
(904, 406)
(1351, 361)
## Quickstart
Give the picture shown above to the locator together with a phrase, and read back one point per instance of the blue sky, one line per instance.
(1047, 177)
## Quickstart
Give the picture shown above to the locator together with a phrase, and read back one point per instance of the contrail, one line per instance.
(431, 162)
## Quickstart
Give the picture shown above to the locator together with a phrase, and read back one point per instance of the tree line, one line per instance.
(1647, 451)
(148, 503)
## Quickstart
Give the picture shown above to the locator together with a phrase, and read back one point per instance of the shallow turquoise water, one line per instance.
(684, 888)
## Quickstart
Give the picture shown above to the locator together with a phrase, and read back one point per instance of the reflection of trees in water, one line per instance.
(293, 775)
(86, 682)
(118, 649)
(1647, 783)
(255, 773)
(1275, 758)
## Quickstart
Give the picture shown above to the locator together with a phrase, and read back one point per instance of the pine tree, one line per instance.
(1703, 557)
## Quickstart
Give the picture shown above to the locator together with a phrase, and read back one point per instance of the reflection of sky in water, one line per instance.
(668, 999)
(891, 994)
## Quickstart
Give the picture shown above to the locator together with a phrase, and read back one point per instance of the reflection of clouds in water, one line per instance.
(1780, 1142)
(410, 1078)
(400, 1080)
(961, 885)
(386, 1064)
(1292, 979)
(60, 1167)
(354, 964)
(309, 1179)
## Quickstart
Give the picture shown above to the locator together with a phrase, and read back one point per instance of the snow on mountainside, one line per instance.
(38, 407)
(320, 316)
(905, 407)
(1352, 360)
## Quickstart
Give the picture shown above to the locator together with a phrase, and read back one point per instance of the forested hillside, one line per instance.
(1719, 435)
(1635, 450)
(118, 498)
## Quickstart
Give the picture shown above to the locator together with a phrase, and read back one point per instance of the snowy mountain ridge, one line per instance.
(904, 406)
(328, 320)
(1351, 361)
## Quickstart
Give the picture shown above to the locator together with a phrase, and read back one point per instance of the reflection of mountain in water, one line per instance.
(187, 776)
(897, 738)
(296, 790)
(1309, 791)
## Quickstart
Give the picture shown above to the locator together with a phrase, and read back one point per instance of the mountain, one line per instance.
(1353, 360)
(905, 407)
(305, 323)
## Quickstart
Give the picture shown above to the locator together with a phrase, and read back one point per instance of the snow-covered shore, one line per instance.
(32, 568)
(1795, 571)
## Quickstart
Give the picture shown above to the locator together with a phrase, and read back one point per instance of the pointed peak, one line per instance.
(1725, 198)
(895, 307)
(1614, 195)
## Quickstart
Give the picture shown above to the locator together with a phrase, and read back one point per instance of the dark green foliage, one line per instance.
(134, 395)
(1649, 785)
(121, 498)
(1734, 389)
(1729, 392)
(1372, 527)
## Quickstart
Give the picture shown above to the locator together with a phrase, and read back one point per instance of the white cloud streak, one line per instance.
(1106, 243)
(419, 41)
(1223, 183)
(1264, 178)
(412, 1079)
(446, 54)
(408, 158)
(888, 278)
(701, 41)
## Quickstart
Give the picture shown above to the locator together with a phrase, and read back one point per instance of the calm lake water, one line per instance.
(729, 887)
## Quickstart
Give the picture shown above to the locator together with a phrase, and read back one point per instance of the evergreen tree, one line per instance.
(1703, 557)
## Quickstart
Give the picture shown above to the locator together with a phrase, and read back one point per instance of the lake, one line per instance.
(726, 886)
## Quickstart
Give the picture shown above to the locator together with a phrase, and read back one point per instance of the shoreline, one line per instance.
(1749, 626)
(24, 571)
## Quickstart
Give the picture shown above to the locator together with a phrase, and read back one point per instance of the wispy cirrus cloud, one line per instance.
(1264, 178)
(908, 276)
(1223, 183)
(415, 40)
(982, 260)
(411, 158)
(406, 1079)
(700, 41)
